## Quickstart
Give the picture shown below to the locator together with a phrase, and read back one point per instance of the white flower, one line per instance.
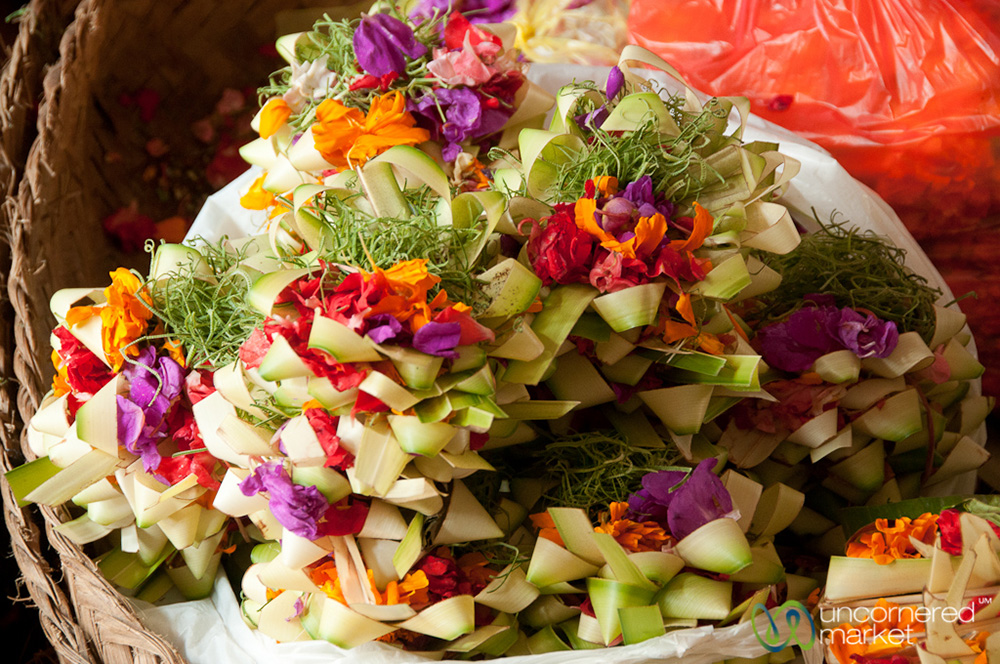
(310, 80)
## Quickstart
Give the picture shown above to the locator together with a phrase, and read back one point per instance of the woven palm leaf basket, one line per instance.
(83, 164)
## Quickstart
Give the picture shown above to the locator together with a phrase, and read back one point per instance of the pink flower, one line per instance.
(463, 67)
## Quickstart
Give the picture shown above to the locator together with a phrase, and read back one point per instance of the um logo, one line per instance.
(795, 614)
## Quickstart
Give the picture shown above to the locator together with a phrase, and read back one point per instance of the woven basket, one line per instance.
(187, 51)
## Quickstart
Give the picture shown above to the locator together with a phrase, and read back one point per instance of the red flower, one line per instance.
(83, 371)
(457, 27)
(559, 251)
(255, 348)
(344, 518)
(325, 426)
(198, 385)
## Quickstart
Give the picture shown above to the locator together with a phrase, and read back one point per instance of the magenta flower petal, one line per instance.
(438, 339)
(298, 508)
(381, 41)
(616, 81)
(701, 499)
(383, 327)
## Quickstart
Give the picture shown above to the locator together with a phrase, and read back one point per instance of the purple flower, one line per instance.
(865, 335)
(797, 342)
(438, 339)
(463, 117)
(477, 11)
(616, 81)
(298, 508)
(155, 386)
(640, 193)
(380, 43)
(685, 505)
(383, 327)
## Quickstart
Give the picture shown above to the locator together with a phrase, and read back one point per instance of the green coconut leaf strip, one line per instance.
(408, 551)
(745, 494)
(576, 531)
(547, 610)
(657, 566)
(542, 153)
(641, 623)
(282, 362)
(329, 620)
(417, 437)
(231, 382)
(614, 349)
(384, 521)
(113, 512)
(330, 483)
(267, 288)
(910, 354)
(380, 186)
(636, 428)
(501, 642)
(701, 363)
(718, 546)
(636, 306)
(28, 477)
(688, 595)
(964, 366)
(844, 439)
(948, 393)
(509, 592)
(740, 373)
(810, 523)
(476, 640)
(800, 587)
(417, 494)
(560, 311)
(510, 289)
(411, 163)
(607, 597)
(591, 326)
(551, 564)
(199, 558)
(481, 382)
(973, 412)
(682, 408)
(896, 418)
(623, 568)
(576, 379)
(519, 343)
(277, 618)
(865, 469)
(538, 410)
(474, 419)
(126, 569)
(635, 110)
(567, 588)
(545, 640)
(434, 409)
(467, 210)
(947, 324)
(628, 371)
(858, 578)
(765, 568)
(869, 392)
(59, 487)
(763, 279)
(97, 421)
(840, 366)
(967, 455)
(466, 520)
(388, 391)
(82, 530)
(342, 342)
(100, 490)
(448, 619)
(418, 370)
(816, 431)
(379, 460)
(725, 281)
(588, 632)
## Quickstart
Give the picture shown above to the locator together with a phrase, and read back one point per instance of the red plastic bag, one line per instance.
(904, 93)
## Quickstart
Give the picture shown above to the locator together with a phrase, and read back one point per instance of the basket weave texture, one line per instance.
(58, 191)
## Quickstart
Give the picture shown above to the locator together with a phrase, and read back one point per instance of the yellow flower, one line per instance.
(274, 114)
(632, 535)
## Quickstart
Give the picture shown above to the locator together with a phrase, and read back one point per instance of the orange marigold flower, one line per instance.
(703, 225)
(124, 317)
(257, 198)
(884, 543)
(346, 137)
(546, 527)
(890, 628)
(274, 114)
(632, 535)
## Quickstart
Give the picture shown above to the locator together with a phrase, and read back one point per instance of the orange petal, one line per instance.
(703, 225)
(274, 114)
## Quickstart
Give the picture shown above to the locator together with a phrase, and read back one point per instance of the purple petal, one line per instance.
(298, 508)
(383, 327)
(865, 335)
(616, 81)
(702, 498)
(438, 339)
(381, 41)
